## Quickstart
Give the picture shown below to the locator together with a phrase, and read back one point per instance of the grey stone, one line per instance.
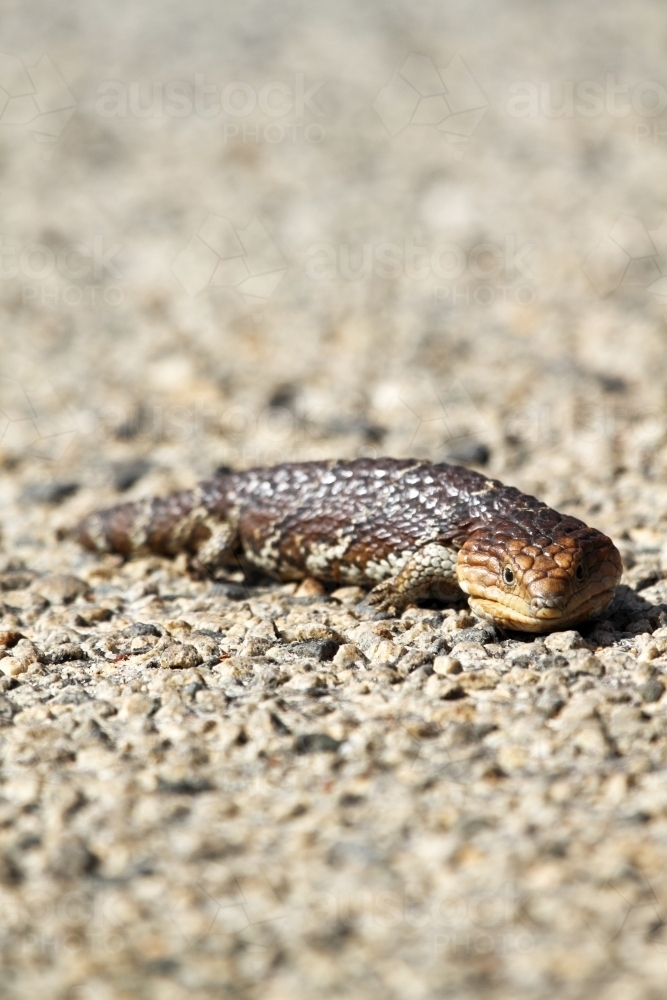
(652, 690)
(316, 743)
(65, 652)
(483, 634)
(142, 628)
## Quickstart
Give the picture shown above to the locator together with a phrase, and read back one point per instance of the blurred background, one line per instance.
(252, 232)
(243, 233)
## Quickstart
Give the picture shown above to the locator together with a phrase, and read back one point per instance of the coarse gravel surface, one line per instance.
(248, 789)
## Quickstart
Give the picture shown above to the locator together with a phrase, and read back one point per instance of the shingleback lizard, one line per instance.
(406, 528)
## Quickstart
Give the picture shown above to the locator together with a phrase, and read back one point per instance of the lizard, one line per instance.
(406, 528)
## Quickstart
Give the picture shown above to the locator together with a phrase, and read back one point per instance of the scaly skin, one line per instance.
(408, 529)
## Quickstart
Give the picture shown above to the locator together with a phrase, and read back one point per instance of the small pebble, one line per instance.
(347, 655)
(558, 642)
(310, 587)
(179, 656)
(652, 690)
(446, 665)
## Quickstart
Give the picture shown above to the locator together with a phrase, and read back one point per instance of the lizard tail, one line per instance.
(163, 525)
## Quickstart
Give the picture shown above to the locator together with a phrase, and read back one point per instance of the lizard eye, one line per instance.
(508, 576)
(579, 572)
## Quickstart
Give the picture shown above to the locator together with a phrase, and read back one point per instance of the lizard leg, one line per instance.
(218, 550)
(431, 568)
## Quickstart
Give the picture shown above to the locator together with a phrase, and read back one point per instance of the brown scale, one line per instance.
(403, 527)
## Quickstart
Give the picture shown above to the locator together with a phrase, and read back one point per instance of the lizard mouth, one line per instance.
(524, 616)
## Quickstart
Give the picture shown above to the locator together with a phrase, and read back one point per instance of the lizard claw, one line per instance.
(383, 597)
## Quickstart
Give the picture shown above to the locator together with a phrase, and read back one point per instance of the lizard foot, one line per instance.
(385, 597)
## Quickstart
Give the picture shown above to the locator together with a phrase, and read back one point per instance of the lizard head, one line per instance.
(544, 572)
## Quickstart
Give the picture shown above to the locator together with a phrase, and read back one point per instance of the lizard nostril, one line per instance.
(557, 601)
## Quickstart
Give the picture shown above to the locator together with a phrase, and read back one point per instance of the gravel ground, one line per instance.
(274, 231)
